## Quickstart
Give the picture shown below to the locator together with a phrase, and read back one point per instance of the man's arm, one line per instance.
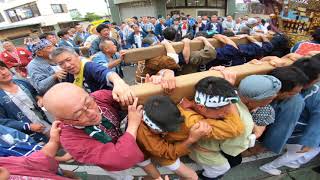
(186, 50)
(40, 80)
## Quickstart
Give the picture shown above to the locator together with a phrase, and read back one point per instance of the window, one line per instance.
(196, 3)
(58, 8)
(180, 3)
(23, 12)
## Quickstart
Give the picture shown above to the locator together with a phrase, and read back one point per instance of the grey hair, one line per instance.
(59, 50)
(103, 43)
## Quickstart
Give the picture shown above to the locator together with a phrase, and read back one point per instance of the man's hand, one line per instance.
(39, 128)
(186, 40)
(39, 101)
(55, 132)
(134, 117)
(168, 82)
(60, 75)
(258, 130)
(200, 38)
(122, 54)
(228, 75)
(154, 79)
(304, 149)
(199, 130)
(122, 93)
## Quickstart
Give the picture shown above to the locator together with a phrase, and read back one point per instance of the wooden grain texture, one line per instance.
(135, 55)
(185, 84)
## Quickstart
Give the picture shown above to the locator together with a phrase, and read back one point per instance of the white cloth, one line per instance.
(138, 40)
(25, 104)
(174, 56)
(215, 171)
(291, 157)
(175, 166)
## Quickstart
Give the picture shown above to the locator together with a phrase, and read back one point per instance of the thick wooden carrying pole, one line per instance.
(139, 54)
(185, 84)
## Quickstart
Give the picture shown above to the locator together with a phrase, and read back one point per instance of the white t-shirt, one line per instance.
(25, 104)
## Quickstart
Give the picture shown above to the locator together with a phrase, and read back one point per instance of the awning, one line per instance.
(126, 1)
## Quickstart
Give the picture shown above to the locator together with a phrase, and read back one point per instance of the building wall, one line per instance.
(47, 18)
(137, 9)
(194, 11)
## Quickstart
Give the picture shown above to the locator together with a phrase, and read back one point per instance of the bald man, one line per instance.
(109, 57)
(91, 76)
(77, 109)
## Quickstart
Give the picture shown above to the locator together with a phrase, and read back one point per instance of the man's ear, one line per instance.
(39, 53)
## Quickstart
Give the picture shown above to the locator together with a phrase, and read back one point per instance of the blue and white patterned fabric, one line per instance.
(16, 143)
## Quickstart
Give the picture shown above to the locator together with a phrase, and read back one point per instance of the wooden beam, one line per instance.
(139, 54)
(185, 84)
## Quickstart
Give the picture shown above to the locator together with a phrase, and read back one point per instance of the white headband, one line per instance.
(213, 101)
(150, 124)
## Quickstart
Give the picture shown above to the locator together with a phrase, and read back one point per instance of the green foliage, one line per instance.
(91, 17)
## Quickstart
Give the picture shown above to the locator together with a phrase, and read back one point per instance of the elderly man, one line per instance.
(104, 33)
(83, 109)
(16, 58)
(50, 36)
(91, 76)
(43, 74)
(109, 57)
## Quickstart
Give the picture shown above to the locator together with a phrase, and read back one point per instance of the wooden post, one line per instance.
(185, 84)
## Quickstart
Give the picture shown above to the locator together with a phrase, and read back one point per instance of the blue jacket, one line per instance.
(94, 48)
(218, 29)
(16, 143)
(158, 31)
(102, 59)
(64, 43)
(131, 41)
(287, 115)
(11, 116)
(307, 131)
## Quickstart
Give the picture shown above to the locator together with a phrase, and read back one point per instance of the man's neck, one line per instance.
(7, 85)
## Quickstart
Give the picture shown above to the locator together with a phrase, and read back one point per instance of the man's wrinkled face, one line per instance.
(84, 113)
(8, 46)
(69, 62)
(105, 32)
(214, 18)
(52, 39)
(45, 52)
(5, 75)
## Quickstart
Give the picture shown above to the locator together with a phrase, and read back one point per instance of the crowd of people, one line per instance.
(66, 99)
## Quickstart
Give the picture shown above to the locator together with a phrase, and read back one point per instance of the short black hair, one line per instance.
(164, 113)
(202, 33)
(184, 18)
(309, 66)
(216, 86)
(290, 77)
(2, 64)
(228, 33)
(114, 23)
(46, 34)
(62, 32)
(100, 27)
(316, 35)
(176, 19)
(169, 33)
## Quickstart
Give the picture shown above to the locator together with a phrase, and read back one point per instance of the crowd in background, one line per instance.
(66, 89)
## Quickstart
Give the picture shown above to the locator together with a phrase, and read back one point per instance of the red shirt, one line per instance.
(122, 155)
(23, 59)
(36, 166)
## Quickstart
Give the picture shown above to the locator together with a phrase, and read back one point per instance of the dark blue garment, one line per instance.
(254, 51)
(287, 115)
(227, 56)
(218, 27)
(95, 77)
(158, 31)
(307, 130)
(131, 41)
(11, 116)
(16, 143)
